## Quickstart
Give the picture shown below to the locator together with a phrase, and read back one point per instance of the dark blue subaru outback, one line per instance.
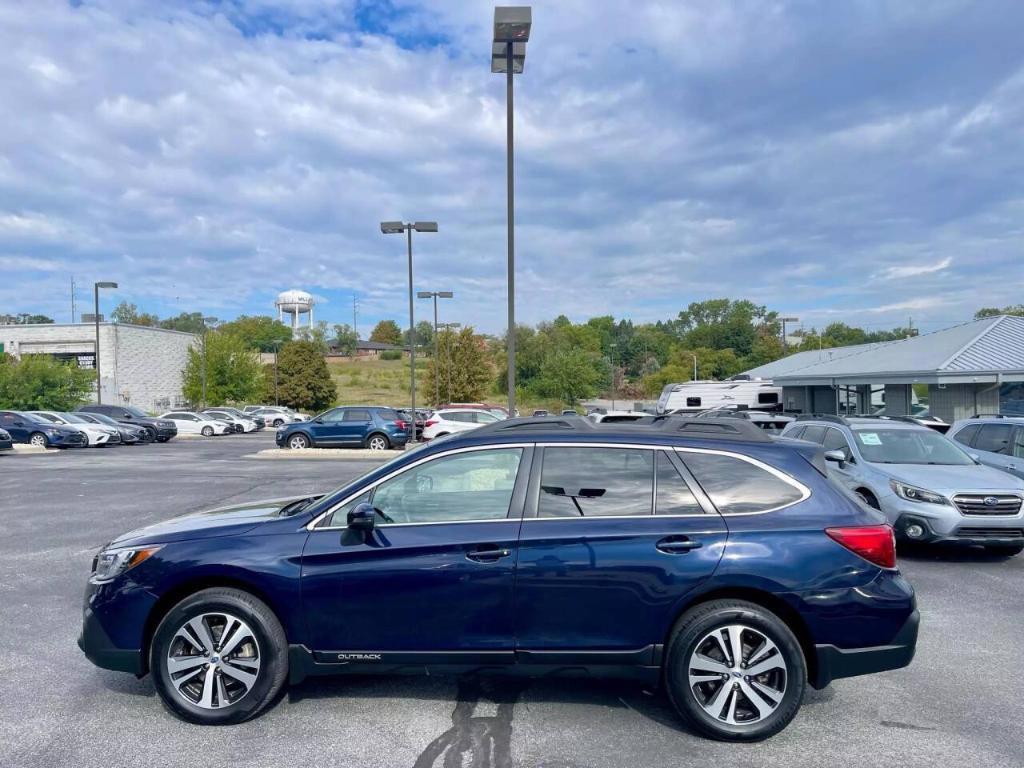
(699, 554)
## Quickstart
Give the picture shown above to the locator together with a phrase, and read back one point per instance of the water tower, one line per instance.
(296, 304)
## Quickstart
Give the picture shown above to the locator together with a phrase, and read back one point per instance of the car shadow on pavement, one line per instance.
(949, 553)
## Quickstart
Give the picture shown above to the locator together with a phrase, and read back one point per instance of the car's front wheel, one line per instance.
(38, 439)
(298, 442)
(378, 443)
(735, 671)
(219, 657)
(207, 431)
(278, 422)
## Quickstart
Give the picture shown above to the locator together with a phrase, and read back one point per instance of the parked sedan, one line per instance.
(189, 423)
(275, 417)
(35, 430)
(6, 443)
(366, 426)
(258, 420)
(97, 436)
(160, 430)
(238, 424)
(130, 434)
(448, 420)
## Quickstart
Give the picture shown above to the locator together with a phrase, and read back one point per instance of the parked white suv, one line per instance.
(449, 420)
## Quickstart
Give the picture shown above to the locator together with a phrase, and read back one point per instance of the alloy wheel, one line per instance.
(378, 443)
(38, 440)
(737, 674)
(213, 660)
(298, 442)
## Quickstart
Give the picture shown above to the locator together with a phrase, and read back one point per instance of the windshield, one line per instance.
(37, 418)
(75, 418)
(100, 417)
(909, 446)
(135, 412)
(47, 417)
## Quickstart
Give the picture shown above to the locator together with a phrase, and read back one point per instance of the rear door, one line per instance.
(613, 540)
(356, 425)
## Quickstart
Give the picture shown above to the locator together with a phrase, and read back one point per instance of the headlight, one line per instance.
(112, 562)
(51, 431)
(910, 493)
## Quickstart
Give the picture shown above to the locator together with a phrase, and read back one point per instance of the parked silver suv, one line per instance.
(997, 441)
(927, 486)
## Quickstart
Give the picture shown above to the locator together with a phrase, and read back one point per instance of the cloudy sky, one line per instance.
(861, 161)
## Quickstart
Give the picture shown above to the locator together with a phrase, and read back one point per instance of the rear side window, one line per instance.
(672, 495)
(994, 438)
(966, 435)
(357, 414)
(388, 414)
(737, 486)
(593, 482)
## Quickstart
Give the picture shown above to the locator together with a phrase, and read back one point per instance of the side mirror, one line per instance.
(976, 457)
(362, 518)
(318, 420)
(839, 457)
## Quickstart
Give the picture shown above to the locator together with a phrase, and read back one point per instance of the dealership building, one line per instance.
(972, 368)
(140, 365)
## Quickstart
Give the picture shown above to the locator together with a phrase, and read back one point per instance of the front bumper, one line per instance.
(100, 650)
(945, 524)
(62, 440)
(166, 433)
(833, 663)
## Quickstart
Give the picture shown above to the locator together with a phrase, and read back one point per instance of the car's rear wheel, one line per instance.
(207, 431)
(219, 657)
(298, 442)
(38, 439)
(378, 443)
(1005, 550)
(735, 671)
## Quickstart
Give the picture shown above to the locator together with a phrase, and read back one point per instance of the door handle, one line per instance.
(677, 545)
(488, 553)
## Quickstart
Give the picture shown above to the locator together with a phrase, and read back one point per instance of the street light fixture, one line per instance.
(397, 228)
(435, 295)
(96, 303)
(785, 346)
(508, 57)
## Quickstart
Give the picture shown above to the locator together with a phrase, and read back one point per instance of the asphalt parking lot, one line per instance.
(958, 704)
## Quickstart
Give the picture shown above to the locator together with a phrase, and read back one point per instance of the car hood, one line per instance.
(222, 521)
(971, 477)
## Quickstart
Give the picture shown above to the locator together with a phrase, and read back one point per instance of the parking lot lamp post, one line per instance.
(435, 295)
(396, 228)
(209, 323)
(785, 346)
(508, 56)
(96, 300)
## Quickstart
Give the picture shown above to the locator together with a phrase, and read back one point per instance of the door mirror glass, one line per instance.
(362, 518)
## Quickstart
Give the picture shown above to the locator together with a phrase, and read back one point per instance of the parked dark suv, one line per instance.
(160, 430)
(701, 554)
(363, 426)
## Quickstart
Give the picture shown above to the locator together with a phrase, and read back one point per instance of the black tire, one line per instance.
(207, 431)
(868, 498)
(298, 442)
(278, 422)
(373, 442)
(1005, 550)
(271, 643)
(39, 440)
(691, 631)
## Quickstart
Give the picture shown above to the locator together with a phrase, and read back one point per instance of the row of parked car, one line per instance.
(103, 425)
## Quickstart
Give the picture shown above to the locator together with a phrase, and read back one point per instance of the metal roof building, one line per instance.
(965, 368)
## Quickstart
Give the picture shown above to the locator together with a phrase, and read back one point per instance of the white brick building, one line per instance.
(141, 366)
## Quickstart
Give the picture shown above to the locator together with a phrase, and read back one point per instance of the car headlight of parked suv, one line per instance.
(111, 563)
(912, 493)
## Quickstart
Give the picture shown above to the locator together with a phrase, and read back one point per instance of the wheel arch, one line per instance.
(765, 599)
(179, 592)
(375, 433)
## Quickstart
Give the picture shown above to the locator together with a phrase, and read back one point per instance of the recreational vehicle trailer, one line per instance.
(695, 396)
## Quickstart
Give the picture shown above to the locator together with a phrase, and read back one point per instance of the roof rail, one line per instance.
(720, 428)
(989, 416)
(723, 428)
(822, 417)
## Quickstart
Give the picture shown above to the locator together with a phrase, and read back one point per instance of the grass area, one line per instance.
(370, 381)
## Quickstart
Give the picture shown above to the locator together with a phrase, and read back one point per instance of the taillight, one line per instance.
(429, 423)
(875, 543)
(400, 424)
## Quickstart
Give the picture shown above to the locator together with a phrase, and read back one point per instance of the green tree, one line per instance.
(303, 379)
(38, 382)
(463, 366)
(189, 322)
(319, 335)
(345, 339)
(233, 370)
(260, 332)
(128, 314)
(1013, 309)
(386, 332)
(424, 336)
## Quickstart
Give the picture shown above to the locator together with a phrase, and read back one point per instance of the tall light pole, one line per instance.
(209, 323)
(96, 308)
(448, 351)
(508, 56)
(435, 295)
(785, 345)
(397, 228)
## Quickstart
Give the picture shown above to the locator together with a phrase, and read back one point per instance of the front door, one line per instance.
(15, 424)
(613, 539)
(433, 582)
(329, 429)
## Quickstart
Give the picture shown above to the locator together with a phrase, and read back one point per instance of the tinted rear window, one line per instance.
(737, 486)
(588, 482)
(388, 414)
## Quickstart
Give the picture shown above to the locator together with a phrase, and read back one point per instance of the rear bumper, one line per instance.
(834, 663)
(6, 445)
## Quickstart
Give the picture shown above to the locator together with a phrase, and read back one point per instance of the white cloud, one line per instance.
(915, 270)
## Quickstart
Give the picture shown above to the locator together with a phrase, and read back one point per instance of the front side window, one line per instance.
(814, 434)
(1018, 444)
(673, 496)
(468, 486)
(593, 482)
(836, 441)
(994, 438)
(737, 486)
